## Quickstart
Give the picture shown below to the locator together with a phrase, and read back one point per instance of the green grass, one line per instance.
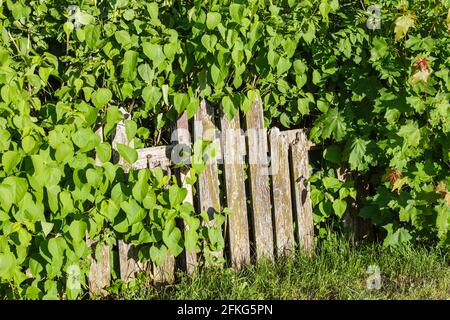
(336, 271)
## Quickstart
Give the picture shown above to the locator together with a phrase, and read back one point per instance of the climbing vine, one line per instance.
(376, 101)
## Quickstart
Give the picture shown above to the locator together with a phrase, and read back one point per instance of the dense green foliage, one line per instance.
(382, 109)
(376, 100)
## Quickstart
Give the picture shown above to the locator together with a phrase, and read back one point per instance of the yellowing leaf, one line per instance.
(398, 185)
(402, 25)
(421, 76)
(441, 187)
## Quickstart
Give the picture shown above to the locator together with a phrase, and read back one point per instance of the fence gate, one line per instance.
(264, 177)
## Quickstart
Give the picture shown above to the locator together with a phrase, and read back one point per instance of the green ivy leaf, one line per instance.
(77, 230)
(129, 70)
(236, 12)
(10, 160)
(180, 102)
(7, 265)
(154, 52)
(130, 129)
(6, 197)
(133, 210)
(28, 144)
(146, 72)
(113, 116)
(229, 107)
(213, 20)
(101, 97)
(123, 38)
(151, 95)
(176, 195)
(331, 183)
(173, 241)
(324, 9)
(209, 42)
(339, 207)
(46, 227)
(190, 240)
(85, 139)
(103, 151)
(158, 255)
(129, 154)
(140, 189)
(283, 66)
(93, 34)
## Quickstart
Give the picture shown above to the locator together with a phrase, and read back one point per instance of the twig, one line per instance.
(14, 42)
(254, 81)
(432, 27)
(362, 5)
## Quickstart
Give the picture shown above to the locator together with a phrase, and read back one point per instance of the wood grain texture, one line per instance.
(259, 181)
(183, 138)
(232, 142)
(165, 273)
(281, 191)
(128, 262)
(302, 194)
(208, 180)
(99, 277)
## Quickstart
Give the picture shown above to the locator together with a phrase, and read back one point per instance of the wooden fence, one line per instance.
(271, 209)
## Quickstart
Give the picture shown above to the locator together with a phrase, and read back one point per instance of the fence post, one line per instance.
(208, 180)
(281, 190)
(232, 142)
(259, 180)
(183, 138)
(302, 194)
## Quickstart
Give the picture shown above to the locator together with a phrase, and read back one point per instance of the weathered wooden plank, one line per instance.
(292, 137)
(99, 277)
(164, 273)
(259, 181)
(129, 264)
(183, 139)
(302, 194)
(281, 190)
(159, 154)
(232, 142)
(208, 180)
